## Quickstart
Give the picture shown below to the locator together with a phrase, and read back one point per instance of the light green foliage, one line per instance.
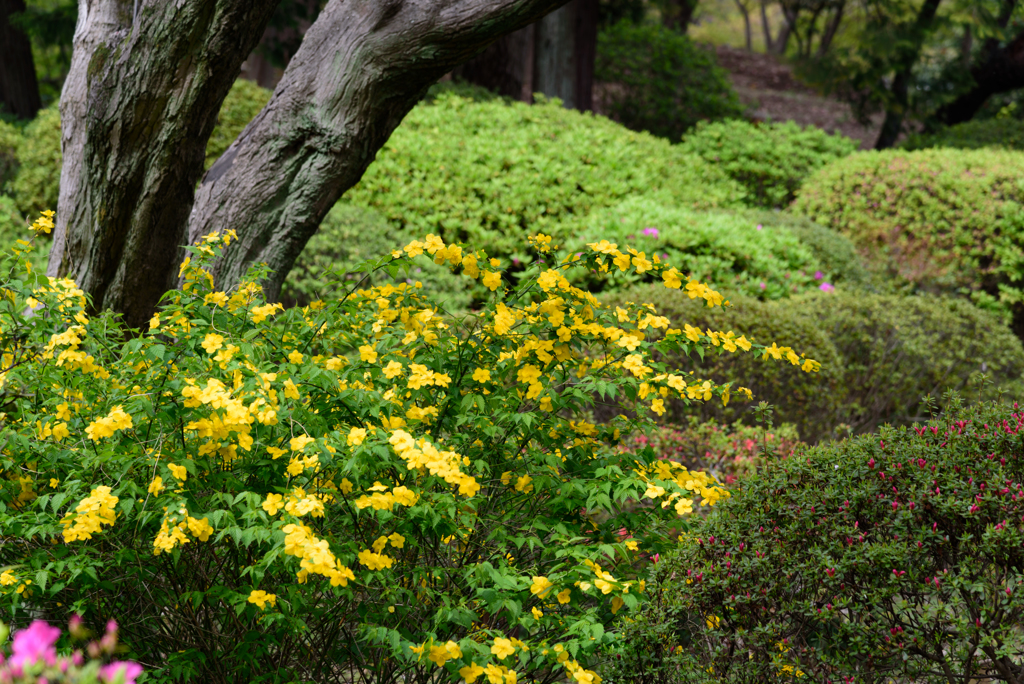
(880, 355)
(1002, 132)
(770, 160)
(10, 138)
(243, 102)
(939, 219)
(660, 81)
(349, 235)
(37, 183)
(730, 250)
(490, 172)
(14, 227)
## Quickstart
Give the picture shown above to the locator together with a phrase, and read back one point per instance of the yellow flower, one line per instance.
(178, 471)
(393, 370)
(262, 598)
(541, 586)
(273, 504)
(471, 673)
(366, 353)
(502, 648)
(356, 436)
(537, 613)
(212, 342)
(491, 280)
(156, 486)
(291, 391)
(299, 443)
(295, 357)
(564, 596)
(482, 375)
(8, 578)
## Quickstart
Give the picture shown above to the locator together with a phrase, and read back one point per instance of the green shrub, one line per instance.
(730, 251)
(355, 490)
(945, 220)
(243, 102)
(880, 355)
(770, 160)
(36, 185)
(10, 138)
(895, 556)
(14, 227)
(835, 253)
(489, 172)
(348, 236)
(1006, 133)
(659, 81)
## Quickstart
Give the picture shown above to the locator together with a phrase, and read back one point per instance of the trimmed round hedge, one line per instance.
(659, 81)
(486, 172)
(753, 255)
(889, 557)
(770, 160)
(1005, 133)
(880, 355)
(943, 220)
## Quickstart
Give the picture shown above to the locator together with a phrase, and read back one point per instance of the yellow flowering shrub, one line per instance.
(359, 486)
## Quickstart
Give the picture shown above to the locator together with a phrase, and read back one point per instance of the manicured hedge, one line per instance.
(659, 81)
(37, 183)
(937, 219)
(755, 256)
(489, 172)
(879, 354)
(770, 160)
(1003, 133)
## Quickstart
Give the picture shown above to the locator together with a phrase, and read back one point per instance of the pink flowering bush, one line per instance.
(33, 657)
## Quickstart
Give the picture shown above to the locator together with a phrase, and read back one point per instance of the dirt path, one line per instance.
(768, 88)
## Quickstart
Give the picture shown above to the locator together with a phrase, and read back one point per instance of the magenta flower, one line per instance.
(763, 286)
(109, 673)
(35, 643)
(651, 232)
(759, 226)
(818, 275)
(826, 287)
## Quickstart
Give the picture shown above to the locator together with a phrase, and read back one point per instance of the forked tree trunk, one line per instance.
(362, 66)
(146, 82)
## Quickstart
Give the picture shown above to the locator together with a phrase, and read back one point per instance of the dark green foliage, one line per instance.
(1004, 132)
(879, 355)
(895, 556)
(770, 160)
(660, 81)
(350, 235)
(728, 250)
(488, 172)
(243, 102)
(943, 220)
(10, 138)
(37, 183)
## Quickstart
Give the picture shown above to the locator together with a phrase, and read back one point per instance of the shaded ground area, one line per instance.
(766, 85)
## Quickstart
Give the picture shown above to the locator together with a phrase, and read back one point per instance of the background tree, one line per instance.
(19, 90)
(141, 99)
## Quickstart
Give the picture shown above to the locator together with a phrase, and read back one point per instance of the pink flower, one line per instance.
(109, 673)
(818, 275)
(651, 232)
(826, 287)
(35, 643)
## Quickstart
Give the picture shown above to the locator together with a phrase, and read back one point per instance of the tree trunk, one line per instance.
(142, 97)
(896, 109)
(554, 66)
(19, 90)
(830, 30)
(747, 33)
(328, 117)
(677, 14)
(506, 66)
(139, 103)
(586, 52)
(1001, 72)
(778, 44)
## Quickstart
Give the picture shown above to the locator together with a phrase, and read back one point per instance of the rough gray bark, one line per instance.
(554, 62)
(19, 89)
(361, 67)
(146, 82)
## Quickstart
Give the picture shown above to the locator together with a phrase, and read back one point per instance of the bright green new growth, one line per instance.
(1006, 133)
(730, 250)
(488, 172)
(243, 102)
(770, 160)
(658, 81)
(937, 219)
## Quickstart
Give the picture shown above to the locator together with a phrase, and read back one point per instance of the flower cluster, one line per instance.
(33, 657)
